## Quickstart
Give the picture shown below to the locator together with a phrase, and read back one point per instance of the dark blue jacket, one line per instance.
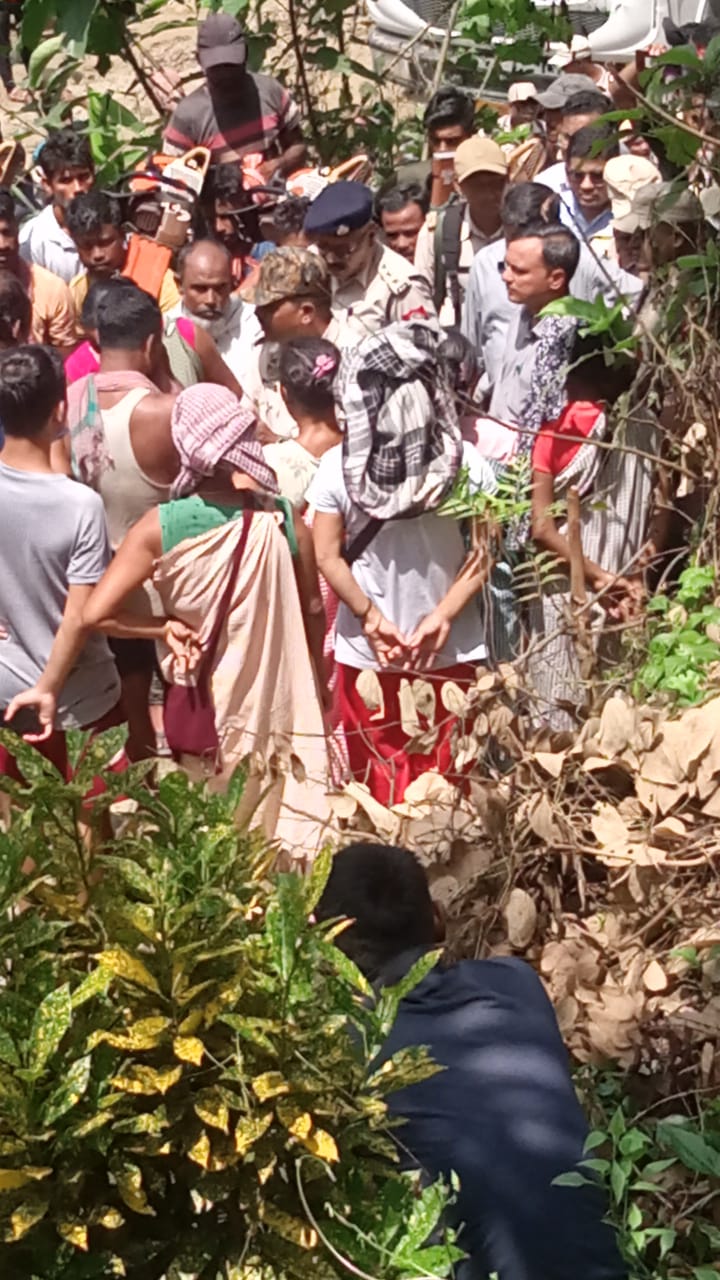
(504, 1116)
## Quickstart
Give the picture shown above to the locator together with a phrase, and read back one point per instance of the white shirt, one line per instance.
(555, 177)
(236, 334)
(406, 569)
(45, 242)
(471, 242)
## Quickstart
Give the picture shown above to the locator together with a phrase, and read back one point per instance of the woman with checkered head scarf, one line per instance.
(232, 590)
(408, 622)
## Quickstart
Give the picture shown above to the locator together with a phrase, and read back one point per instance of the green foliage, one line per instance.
(508, 505)
(662, 1178)
(185, 1087)
(683, 647)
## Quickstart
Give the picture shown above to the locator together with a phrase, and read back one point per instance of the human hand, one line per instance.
(44, 705)
(622, 597)
(389, 643)
(269, 168)
(428, 639)
(183, 644)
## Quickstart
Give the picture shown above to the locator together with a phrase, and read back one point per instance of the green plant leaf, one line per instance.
(694, 1152)
(71, 1090)
(52, 1019)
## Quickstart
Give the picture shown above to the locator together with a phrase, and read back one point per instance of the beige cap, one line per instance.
(658, 202)
(521, 91)
(479, 155)
(625, 176)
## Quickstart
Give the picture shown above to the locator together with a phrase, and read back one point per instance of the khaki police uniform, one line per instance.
(261, 384)
(388, 290)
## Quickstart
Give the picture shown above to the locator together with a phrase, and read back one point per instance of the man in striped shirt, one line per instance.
(237, 112)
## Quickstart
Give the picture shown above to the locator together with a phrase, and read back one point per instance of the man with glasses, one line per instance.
(371, 284)
(587, 208)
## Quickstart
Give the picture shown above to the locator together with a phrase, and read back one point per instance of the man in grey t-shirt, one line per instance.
(55, 548)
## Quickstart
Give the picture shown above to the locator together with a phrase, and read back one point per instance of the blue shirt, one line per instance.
(504, 1116)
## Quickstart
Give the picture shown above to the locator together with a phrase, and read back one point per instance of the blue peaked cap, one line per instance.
(342, 207)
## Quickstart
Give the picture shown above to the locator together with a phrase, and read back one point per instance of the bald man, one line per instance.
(206, 297)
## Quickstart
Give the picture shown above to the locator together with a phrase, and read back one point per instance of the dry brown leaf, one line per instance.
(453, 698)
(617, 727)
(541, 819)
(342, 805)
(655, 978)
(520, 918)
(425, 700)
(550, 761)
(711, 806)
(670, 829)
(409, 719)
(386, 823)
(610, 830)
(707, 1062)
(370, 690)
(566, 1012)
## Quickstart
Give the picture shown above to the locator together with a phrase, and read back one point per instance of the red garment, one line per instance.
(376, 742)
(551, 452)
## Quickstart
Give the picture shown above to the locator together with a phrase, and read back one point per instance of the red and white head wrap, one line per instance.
(211, 430)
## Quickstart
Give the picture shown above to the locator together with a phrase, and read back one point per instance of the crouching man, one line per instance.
(503, 1114)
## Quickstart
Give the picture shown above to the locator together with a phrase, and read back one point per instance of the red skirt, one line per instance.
(377, 742)
(55, 750)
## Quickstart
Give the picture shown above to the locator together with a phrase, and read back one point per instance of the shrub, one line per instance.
(186, 1087)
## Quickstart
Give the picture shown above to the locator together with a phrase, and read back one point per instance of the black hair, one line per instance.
(587, 102)
(526, 202)
(225, 182)
(449, 105)
(385, 891)
(32, 384)
(560, 248)
(188, 250)
(15, 309)
(8, 212)
(88, 212)
(596, 376)
(397, 198)
(65, 149)
(308, 368)
(460, 358)
(593, 142)
(289, 216)
(126, 317)
(93, 298)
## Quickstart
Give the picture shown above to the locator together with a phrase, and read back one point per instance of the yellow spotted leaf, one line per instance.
(296, 1121)
(248, 1131)
(147, 1080)
(269, 1085)
(266, 1171)
(145, 1034)
(13, 1179)
(25, 1217)
(322, 1145)
(189, 1049)
(110, 1218)
(122, 965)
(129, 1183)
(191, 1023)
(75, 1233)
(200, 1151)
(211, 1109)
(293, 1229)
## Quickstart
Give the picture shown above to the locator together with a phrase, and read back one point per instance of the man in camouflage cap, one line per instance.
(670, 220)
(292, 296)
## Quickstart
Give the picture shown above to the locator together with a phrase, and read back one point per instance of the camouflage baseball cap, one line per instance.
(288, 272)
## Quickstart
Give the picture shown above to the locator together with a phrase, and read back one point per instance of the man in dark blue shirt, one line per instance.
(503, 1115)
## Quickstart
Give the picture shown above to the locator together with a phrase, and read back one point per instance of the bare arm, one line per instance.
(546, 534)
(384, 636)
(294, 153)
(214, 367)
(430, 637)
(67, 647)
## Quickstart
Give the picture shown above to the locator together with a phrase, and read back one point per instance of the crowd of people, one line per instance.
(374, 349)
(224, 516)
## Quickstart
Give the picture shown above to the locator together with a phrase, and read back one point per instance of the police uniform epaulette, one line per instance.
(393, 276)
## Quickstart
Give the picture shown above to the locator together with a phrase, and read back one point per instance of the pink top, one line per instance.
(85, 359)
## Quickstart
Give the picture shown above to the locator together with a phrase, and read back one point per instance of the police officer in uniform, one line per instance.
(371, 284)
